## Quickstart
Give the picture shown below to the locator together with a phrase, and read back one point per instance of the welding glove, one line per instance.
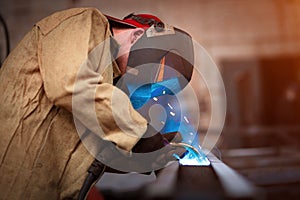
(159, 146)
(153, 140)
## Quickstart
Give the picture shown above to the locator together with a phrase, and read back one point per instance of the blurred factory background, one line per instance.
(255, 44)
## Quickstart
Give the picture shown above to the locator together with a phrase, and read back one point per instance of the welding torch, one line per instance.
(188, 147)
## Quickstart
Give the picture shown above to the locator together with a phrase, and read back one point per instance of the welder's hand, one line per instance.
(153, 141)
(162, 159)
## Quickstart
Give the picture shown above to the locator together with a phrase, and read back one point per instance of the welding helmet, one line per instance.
(159, 63)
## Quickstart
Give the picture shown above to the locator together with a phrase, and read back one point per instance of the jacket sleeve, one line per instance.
(76, 67)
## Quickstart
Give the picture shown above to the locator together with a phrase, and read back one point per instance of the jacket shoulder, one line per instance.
(49, 23)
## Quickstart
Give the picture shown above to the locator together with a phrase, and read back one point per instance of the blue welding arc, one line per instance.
(148, 95)
(141, 95)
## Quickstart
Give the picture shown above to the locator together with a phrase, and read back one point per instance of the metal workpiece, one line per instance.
(235, 186)
(165, 184)
(180, 182)
(216, 181)
(196, 182)
(185, 182)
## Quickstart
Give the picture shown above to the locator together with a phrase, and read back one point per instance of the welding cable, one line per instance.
(6, 36)
(95, 172)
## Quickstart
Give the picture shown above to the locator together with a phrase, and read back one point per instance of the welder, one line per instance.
(160, 65)
(41, 154)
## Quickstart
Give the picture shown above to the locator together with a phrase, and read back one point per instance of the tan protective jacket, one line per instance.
(41, 154)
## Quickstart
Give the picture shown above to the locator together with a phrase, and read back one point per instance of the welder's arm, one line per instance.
(153, 151)
(76, 72)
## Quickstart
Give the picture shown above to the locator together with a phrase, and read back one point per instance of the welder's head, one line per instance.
(160, 62)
